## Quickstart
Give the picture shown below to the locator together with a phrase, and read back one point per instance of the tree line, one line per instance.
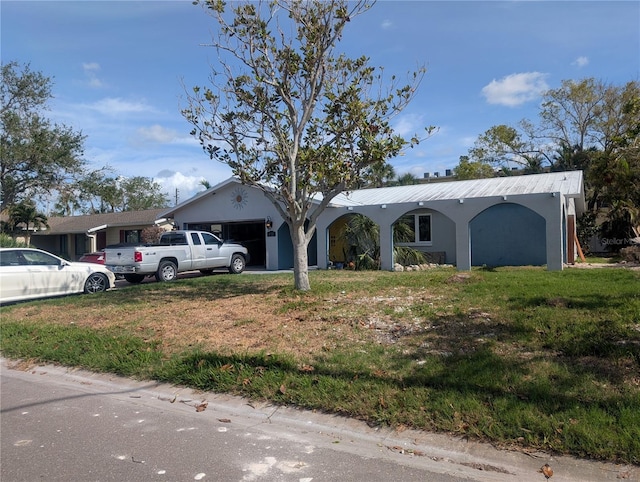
(586, 125)
(44, 161)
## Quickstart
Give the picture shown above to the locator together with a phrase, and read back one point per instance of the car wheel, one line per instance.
(167, 271)
(96, 283)
(134, 278)
(237, 264)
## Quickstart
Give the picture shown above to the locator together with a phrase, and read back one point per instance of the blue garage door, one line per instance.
(508, 235)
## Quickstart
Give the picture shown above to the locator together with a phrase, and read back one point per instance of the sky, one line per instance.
(120, 70)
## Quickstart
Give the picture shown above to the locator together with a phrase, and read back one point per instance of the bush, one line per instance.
(151, 234)
(7, 241)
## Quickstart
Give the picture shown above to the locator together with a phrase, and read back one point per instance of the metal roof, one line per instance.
(568, 183)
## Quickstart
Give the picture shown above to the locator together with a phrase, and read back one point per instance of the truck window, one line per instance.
(210, 238)
(195, 239)
(174, 239)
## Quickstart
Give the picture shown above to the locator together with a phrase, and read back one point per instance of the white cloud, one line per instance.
(90, 71)
(156, 134)
(116, 106)
(409, 124)
(387, 24)
(515, 89)
(176, 184)
(581, 61)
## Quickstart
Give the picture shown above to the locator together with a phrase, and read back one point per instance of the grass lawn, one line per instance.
(521, 357)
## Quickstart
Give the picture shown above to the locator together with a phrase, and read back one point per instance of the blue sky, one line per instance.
(119, 66)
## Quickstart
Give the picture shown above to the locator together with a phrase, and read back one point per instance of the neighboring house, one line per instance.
(513, 220)
(72, 236)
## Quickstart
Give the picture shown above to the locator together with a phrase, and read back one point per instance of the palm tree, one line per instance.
(24, 218)
(362, 236)
(406, 179)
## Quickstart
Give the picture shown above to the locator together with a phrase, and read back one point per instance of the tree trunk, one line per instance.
(300, 258)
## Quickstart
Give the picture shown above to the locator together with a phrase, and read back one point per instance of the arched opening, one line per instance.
(428, 231)
(508, 234)
(353, 242)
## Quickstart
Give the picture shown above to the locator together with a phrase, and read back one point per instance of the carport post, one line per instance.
(463, 245)
(386, 246)
(555, 241)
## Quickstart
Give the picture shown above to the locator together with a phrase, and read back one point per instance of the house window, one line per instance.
(132, 236)
(80, 244)
(413, 229)
(423, 222)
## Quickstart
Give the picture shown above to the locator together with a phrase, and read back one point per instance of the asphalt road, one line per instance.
(68, 425)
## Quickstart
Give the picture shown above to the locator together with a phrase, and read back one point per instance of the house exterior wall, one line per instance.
(64, 245)
(237, 203)
(443, 235)
(459, 213)
(538, 219)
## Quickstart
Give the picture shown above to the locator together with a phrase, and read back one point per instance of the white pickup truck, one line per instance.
(177, 251)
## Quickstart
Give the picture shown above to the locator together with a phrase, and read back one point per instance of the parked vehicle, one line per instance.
(29, 273)
(177, 251)
(97, 257)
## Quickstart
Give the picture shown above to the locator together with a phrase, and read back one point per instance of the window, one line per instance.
(413, 229)
(195, 239)
(424, 228)
(81, 241)
(210, 239)
(174, 239)
(132, 236)
(39, 258)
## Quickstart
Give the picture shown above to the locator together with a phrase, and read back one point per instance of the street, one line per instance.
(60, 424)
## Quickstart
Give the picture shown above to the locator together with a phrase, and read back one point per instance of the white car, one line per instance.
(29, 273)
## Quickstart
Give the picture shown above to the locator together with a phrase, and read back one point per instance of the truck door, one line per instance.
(212, 251)
(198, 256)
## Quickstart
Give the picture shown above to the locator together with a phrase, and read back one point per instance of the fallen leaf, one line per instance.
(202, 407)
(283, 389)
(224, 420)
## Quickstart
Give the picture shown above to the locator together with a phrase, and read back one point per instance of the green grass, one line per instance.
(519, 357)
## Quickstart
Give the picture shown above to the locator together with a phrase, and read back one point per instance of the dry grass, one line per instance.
(516, 356)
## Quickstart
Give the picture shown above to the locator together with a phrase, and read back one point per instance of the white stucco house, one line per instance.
(513, 220)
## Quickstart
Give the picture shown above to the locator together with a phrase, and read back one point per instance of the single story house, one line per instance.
(72, 236)
(513, 220)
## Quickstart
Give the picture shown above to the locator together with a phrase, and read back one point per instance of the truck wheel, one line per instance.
(167, 271)
(237, 264)
(134, 278)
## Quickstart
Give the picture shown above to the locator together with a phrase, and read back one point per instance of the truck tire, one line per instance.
(237, 264)
(134, 278)
(167, 271)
